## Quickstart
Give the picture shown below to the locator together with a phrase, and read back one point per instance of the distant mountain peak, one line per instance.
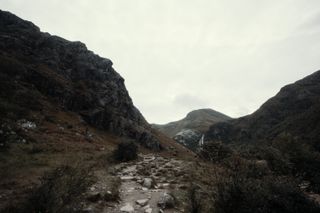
(206, 112)
(196, 123)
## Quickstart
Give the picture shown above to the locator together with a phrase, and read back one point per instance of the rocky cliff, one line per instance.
(38, 68)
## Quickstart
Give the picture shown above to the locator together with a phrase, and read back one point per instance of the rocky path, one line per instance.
(146, 185)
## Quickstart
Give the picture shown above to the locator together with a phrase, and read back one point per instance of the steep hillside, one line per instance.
(71, 140)
(294, 111)
(37, 67)
(62, 109)
(285, 132)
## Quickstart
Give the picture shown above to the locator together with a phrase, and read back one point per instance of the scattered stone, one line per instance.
(127, 178)
(27, 124)
(139, 181)
(148, 210)
(183, 186)
(163, 185)
(127, 208)
(88, 209)
(147, 182)
(142, 202)
(147, 206)
(173, 181)
(94, 197)
(166, 201)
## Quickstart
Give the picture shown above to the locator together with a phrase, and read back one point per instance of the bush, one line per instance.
(59, 190)
(240, 192)
(277, 161)
(126, 151)
(198, 200)
(215, 151)
(305, 159)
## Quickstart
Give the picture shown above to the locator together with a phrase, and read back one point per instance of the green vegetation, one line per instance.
(59, 191)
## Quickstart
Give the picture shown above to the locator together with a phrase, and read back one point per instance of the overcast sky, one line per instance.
(181, 55)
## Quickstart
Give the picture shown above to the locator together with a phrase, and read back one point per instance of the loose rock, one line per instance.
(142, 202)
(147, 182)
(166, 201)
(127, 208)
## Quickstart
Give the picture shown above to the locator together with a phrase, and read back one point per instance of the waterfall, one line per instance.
(201, 140)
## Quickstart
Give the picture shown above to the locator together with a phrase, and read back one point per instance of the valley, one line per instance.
(71, 140)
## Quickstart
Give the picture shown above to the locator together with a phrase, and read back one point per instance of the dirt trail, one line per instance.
(147, 182)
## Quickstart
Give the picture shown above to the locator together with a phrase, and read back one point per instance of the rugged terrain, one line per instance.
(285, 131)
(71, 140)
(294, 111)
(60, 104)
(39, 69)
(189, 130)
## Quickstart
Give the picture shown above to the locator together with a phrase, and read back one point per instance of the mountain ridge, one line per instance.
(288, 111)
(198, 119)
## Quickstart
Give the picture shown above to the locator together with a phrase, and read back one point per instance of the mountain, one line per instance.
(189, 130)
(38, 69)
(294, 111)
(64, 110)
(71, 140)
(284, 132)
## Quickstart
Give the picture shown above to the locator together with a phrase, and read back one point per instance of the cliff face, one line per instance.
(36, 67)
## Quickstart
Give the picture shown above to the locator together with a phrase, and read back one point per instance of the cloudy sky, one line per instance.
(180, 55)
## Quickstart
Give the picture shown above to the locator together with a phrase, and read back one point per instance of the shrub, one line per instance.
(215, 151)
(305, 159)
(59, 190)
(242, 193)
(126, 151)
(195, 200)
(277, 161)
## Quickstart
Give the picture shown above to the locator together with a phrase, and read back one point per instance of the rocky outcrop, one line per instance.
(36, 66)
(189, 138)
